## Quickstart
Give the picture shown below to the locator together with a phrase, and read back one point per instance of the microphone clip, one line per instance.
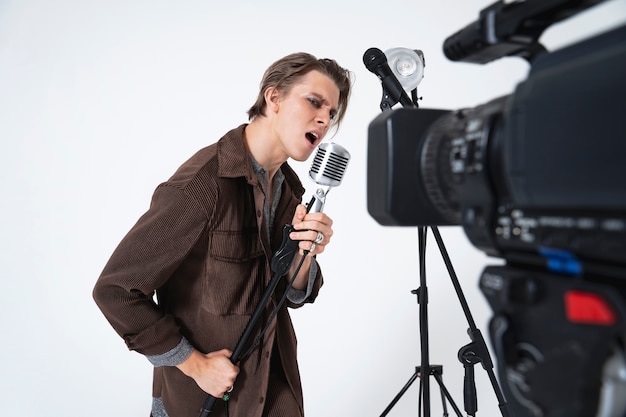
(393, 93)
(386, 103)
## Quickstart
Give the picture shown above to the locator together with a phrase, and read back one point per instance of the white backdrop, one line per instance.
(101, 100)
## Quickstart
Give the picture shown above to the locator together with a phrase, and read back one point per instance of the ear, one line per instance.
(272, 99)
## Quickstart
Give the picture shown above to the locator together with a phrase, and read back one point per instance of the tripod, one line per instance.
(468, 355)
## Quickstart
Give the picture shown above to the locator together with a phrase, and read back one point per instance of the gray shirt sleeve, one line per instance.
(299, 296)
(174, 357)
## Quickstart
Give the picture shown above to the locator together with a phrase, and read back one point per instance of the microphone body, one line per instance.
(328, 167)
(376, 62)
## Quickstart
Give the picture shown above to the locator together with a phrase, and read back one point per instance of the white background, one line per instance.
(102, 100)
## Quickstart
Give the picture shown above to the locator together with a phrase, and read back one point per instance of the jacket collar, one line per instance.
(232, 155)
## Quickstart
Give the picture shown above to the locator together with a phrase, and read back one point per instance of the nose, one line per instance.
(323, 117)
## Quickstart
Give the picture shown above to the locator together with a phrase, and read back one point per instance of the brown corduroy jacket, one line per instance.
(203, 247)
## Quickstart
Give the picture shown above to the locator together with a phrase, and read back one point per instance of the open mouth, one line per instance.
(311, 137)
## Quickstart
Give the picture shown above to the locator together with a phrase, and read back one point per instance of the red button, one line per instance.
(588, 308)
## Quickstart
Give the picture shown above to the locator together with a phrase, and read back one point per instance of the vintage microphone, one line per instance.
(327, 170)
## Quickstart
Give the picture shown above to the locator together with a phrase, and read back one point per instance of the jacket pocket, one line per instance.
(234, 272)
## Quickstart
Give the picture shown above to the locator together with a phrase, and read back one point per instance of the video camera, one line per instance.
(537, 178)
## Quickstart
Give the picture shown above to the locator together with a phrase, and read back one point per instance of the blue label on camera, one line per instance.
(561, 261)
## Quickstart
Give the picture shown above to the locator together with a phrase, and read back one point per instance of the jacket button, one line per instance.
(261, 400)
(267, 354)
(258, 213)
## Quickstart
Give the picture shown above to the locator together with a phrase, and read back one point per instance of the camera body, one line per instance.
(537, 178)
(548, 155)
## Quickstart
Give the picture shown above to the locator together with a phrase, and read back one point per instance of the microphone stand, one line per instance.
(468, 355)
(473, 352)
(280, 263)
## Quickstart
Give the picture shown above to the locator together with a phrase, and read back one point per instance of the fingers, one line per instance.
(299, 214)
(224, 352)
(219, 374)
(313, 230)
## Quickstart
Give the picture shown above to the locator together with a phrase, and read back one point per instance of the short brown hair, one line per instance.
(285, 72)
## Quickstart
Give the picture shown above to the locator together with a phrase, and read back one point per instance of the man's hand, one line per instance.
(313, 230)
(214, 373)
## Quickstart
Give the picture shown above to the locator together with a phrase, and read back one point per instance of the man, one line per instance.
(205, 244)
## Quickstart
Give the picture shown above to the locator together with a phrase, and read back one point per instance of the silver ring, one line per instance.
(226, 395)
(320, 238)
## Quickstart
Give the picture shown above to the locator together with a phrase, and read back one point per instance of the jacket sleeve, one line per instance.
(143, 262)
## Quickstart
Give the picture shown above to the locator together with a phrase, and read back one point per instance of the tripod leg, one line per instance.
(443, 402)
(446, 393)
(401, 393)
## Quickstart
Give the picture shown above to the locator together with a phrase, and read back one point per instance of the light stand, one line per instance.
(403, 74)
(435, 370)
(469, 355)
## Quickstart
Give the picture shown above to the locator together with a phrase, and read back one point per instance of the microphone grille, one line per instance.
(329, 164)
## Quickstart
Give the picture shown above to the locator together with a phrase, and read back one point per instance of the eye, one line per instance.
(318, 104)
(315, 102)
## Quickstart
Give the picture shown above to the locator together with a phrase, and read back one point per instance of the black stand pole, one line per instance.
(468, 355)
(425, 370)
(477, 350)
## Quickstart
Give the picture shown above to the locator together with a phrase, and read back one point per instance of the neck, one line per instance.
(261, 144)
